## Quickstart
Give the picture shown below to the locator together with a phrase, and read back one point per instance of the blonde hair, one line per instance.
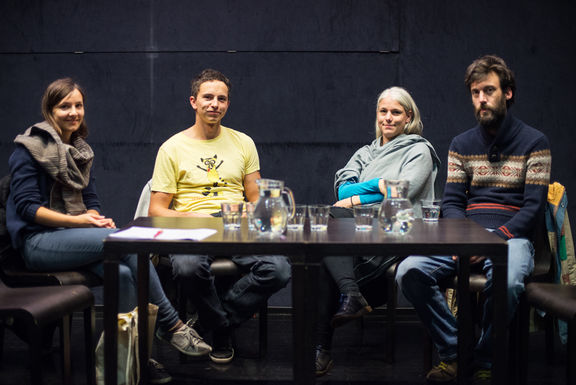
(399, 94)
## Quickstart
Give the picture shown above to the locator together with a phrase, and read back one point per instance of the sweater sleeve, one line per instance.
(24, 185)
(351, 188)
(535, 192)
(456, 190)
(90, 196)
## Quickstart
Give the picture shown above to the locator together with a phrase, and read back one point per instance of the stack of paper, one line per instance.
(137, 232)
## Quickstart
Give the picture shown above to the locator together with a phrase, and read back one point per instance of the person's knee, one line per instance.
(190, 267)
(406, 267)
(275, 271)
(125, 276)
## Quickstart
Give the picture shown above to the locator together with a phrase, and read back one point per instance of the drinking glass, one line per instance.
(430, 210)
(363, 217)
(319, 215)
(296, 223)
(231, 215)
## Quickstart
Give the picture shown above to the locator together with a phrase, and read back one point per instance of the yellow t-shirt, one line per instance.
(203, 173)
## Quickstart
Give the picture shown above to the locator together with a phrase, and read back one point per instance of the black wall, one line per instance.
(305, 76)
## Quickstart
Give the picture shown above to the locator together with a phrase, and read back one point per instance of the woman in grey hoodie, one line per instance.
(399, 152)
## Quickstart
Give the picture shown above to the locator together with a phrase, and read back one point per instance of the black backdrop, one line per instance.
(305, 76)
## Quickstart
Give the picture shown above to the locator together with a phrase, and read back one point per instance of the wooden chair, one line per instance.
(559, 301)
(38, 307)
(14, 274)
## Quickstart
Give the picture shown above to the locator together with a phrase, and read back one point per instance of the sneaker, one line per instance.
(323, 361)
(223, 352)
(186, 340)
(482, 377)
(157, 373)
(353, 306)
(444, 372)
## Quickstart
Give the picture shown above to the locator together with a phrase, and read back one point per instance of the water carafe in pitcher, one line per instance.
(396, 213)
(271, 212)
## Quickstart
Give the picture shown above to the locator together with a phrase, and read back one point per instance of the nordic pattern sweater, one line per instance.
(499, 182)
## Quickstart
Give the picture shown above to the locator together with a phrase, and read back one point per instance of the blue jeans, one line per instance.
(418, 277)
(67, 249)
(262, 277)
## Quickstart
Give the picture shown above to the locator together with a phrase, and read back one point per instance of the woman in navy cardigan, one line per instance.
(53, 212)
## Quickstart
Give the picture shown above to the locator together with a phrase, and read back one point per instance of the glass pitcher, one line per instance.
(396, 213)
(271, 213)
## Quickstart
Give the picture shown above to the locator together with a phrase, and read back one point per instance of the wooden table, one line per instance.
(306, 249)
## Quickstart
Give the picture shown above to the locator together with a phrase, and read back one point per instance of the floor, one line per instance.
(358, 358)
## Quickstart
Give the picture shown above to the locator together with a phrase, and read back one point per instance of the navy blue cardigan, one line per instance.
(30, 189)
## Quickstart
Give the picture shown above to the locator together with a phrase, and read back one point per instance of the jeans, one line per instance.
(67, 249)
(262, 277)
(418, 277)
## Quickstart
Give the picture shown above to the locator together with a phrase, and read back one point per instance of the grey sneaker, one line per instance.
(187, 341)
(444, 372)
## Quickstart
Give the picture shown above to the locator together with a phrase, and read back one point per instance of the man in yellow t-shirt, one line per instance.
(195, 171)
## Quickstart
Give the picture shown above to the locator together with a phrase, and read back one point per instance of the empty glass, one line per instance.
(250, 215)
(363, 217)
(231, 215)
(319, 215)
(296, 223)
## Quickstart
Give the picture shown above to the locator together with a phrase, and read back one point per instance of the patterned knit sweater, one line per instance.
(499, 182)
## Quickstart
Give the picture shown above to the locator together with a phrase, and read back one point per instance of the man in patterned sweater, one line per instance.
(498, 174)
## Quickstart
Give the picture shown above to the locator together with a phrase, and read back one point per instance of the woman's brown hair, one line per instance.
(55, 92)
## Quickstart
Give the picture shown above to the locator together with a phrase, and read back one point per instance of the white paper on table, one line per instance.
(137, 232)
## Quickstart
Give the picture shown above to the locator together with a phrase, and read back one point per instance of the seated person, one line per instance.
(53, 213)
(498, 175)
(399, 152)
(196, 170)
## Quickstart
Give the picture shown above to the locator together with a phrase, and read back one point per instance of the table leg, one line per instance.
(143, 295)
(500, 322)
(110, 320)
(464, 319)
(304, 278)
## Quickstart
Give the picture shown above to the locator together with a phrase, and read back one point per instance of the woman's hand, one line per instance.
(346, 202)
(90, 219)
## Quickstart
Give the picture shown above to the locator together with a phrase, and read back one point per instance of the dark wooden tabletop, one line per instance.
(460, 236)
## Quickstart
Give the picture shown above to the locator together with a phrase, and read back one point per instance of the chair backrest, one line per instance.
(144, 201)
(544, 263)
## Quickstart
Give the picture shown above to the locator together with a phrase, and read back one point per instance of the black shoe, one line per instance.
(222, 350)
(323, 361)
(353, 305)
(157, 373)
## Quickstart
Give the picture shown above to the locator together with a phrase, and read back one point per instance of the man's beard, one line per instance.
(494, 116)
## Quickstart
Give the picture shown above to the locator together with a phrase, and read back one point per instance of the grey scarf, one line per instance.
(68, 165)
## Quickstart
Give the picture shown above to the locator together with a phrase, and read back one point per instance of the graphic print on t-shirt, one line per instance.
(209, 165)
